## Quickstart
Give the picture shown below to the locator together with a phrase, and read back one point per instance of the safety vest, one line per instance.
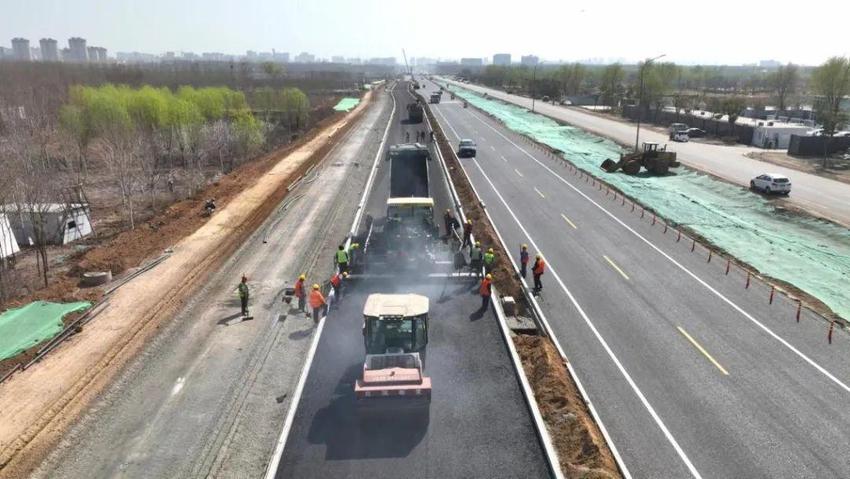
(316, 299)
(539, 265)
(341, 256)
(484, 290)
(299, 289)
(243, 290)
(475, 254)
(489, 258)
(335, 280)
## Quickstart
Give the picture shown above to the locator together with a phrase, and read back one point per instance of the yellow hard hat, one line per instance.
(539, 256)
(315, 286)
(477, 243)
(302, 277)
(490, 250)
(345, 274)
(489, 276)
(524, 246)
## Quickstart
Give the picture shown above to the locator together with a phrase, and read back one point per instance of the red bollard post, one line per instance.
(728, 265)
(829, 334)
(748, 281)
(693, 245)
(653, 220)
(624, 201)
(642, 211)
(709, 256)
(799, 308)
(633, 206)
(678, 238)
(665, 229)
(772, 290)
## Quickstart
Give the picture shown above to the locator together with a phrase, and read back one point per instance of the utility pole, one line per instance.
(640, 98)
(533, 84)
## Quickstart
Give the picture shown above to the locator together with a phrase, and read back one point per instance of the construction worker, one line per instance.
(451, 223)
(242, 289)
(300, 292)
(523, 260)
(537, 270)
(336, 282)
(317, 303)
(489, 260)
(467, 234)
(475, 258)
(342, 259)
(484, 290)
(432, 136)
(407, 137)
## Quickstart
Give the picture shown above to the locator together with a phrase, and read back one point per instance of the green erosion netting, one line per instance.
(346, 104)
(25, 327)
(811, 254)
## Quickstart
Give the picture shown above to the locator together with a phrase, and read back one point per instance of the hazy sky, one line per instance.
(717, 31)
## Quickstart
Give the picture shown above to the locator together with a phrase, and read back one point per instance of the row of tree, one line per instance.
(726, 90)
(134, 144)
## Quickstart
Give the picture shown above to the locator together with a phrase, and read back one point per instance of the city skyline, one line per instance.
(365, 30)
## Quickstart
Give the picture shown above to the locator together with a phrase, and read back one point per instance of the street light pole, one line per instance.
(640, 99)
(533, 84)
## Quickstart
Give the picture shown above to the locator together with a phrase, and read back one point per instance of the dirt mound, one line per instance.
(574, 434)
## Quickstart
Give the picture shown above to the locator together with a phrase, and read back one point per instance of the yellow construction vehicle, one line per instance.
(656, 161)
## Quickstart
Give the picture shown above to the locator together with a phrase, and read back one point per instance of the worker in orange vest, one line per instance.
(537, 270)
(317, 302)
(484, 290)
(336, 282)
(300, 293)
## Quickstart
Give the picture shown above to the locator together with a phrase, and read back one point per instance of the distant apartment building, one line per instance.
(305, 57)
(529, 60)
(280, 57)
(49, 50)
(386, 61)
(77, 50)
(213, 56)
(96, 54)
(5, 53)
(337, 59)
(502, 59)
(21, 49)
(769, 64)
(472, 62)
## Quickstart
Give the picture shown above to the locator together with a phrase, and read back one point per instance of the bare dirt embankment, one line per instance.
(37, 405)
(582, 450)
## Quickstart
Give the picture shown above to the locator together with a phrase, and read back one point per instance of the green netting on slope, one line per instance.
(346, 104)
(25, 327)
(812, 255)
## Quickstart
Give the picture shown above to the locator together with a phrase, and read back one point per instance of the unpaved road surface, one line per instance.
(207, 395)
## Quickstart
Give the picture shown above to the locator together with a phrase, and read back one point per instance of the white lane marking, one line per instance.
(517, 172)
(178, 386)
(568, 221)
(503, 158)
(720, 295)
(492, 147)
(539, 193)
(599, 337)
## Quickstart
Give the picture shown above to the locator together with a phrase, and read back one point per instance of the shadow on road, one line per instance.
(349, 435)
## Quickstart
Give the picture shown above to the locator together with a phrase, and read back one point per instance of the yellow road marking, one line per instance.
(568, 221)
(517, 172)
(702, 350)
(538, 192)
(613, 265)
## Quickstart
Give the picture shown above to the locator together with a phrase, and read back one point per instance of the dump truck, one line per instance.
(436, 96)
(415, 112)
(405, 238)
(656, 161)
(395, 335)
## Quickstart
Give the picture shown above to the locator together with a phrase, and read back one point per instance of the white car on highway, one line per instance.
(771, 183)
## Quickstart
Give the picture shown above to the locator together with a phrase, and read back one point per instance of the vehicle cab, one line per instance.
(395, 323)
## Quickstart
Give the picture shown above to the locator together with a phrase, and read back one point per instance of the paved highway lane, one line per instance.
(692, 374)
(822, 196)
(479, 423)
